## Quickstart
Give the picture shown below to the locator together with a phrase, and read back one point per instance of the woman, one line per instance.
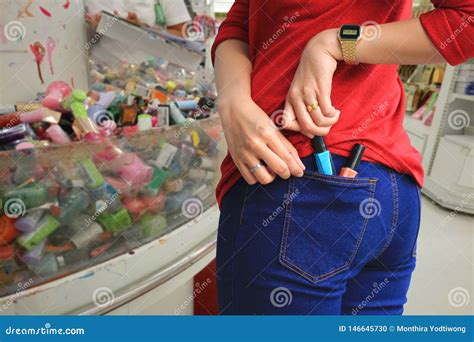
(292, 240)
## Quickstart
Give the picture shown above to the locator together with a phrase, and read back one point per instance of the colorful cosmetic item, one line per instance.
(35, 255)
(55, 95)
(136, 172)
(27, 197)
(323, 157)
(129, 112)
(47, 225)
(153, 225)
(157, 180)
(107, 199)
(176, 113)
(7, 264)
(200, 175)
(10, 120)
(11, 135)
(76, 201)
(83, 125)
(187, 105)
(8, 232)
(350, 170)
(27, 223)
(92, 176)
(57, 135)
(41, 115)
(116, 222)
(77, 96)
(85, 232)
(144, 122)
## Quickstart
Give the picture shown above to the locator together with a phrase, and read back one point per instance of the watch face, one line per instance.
(349, 32)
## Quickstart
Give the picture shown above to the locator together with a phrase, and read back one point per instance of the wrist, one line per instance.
(329, 41)
(233, 100)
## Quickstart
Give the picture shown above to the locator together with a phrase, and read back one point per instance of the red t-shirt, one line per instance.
(371, 97)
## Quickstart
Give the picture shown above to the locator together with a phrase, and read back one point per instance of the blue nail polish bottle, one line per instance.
(323, 157)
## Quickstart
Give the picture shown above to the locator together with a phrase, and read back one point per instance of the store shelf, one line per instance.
(415, 126)
(457, 96)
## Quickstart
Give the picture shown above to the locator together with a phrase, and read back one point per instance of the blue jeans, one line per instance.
(319, 245)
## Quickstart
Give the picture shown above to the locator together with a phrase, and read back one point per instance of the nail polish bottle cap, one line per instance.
(356, 156)
(319, 145)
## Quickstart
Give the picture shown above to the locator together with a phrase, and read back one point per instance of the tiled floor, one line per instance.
(443, 283)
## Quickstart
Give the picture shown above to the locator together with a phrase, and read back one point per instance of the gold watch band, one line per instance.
(349, 51)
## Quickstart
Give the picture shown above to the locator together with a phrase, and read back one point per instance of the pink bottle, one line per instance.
(55, 94)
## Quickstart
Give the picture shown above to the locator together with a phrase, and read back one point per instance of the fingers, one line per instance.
(245, 172)
(306, 122)
(289, 155)
(261, 174)
(316, 114)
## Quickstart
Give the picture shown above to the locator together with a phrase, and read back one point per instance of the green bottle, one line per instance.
(160, 15)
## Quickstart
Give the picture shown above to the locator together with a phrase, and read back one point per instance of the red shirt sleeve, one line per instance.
(235, 26)
(451, 29)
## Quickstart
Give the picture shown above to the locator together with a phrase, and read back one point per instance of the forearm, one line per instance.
(402, 42)
(232, 70)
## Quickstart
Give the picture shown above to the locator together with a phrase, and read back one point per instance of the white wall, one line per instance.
(18, 70)
(223, 6)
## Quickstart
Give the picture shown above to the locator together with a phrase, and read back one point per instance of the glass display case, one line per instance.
(68, 207)
(87, 176)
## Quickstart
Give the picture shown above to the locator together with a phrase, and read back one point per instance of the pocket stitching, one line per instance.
(243, 205)
(285, 261)
(339, 179)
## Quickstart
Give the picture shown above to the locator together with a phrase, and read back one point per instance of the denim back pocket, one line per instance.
(325, 223)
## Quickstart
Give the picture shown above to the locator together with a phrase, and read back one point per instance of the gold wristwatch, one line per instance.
(349, 35)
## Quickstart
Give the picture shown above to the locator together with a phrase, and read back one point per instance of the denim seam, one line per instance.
(349, 181)
(286, 223)
(243, 205)
(413, 253)
(393, 180)
(315, 279)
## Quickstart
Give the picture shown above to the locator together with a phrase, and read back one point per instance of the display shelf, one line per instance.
(415, 126)
(456, 96)
(448, 158)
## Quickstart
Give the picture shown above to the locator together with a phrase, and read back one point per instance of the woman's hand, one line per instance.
(311, 87)
(252, 139)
